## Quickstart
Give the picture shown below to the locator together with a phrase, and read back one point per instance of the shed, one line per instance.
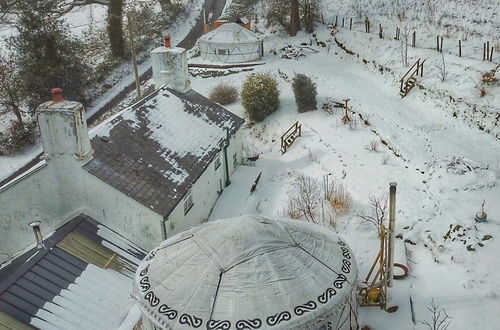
(231, 43)
(249, 272)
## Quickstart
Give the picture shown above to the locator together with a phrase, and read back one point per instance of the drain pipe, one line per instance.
(225, 158)
(35, 225)
(392, 229)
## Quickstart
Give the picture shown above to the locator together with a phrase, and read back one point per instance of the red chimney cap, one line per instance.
(57, 94)
(166, 40)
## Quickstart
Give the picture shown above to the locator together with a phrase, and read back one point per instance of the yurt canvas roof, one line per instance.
(247, 273)
(231, 33)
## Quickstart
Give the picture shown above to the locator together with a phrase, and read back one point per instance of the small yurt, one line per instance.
(249, 272)
(231, 43)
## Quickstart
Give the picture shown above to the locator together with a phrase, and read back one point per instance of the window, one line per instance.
(222, 51)
(235, 159)
(217, 162)
(188, 202)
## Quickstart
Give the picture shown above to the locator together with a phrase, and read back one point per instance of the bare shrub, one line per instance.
(223, 94)
(480, 87)
(336, 194)
(305, 198)
(373, 146)
(378, 212)
(440, 319)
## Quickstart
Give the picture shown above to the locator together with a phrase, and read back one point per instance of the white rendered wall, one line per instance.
(205, 191)
(121, 213)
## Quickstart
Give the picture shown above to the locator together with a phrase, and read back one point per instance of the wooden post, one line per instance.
(491, 54)
(322, 19)
(459, 48)
(484, 50)
(350, 24)
(336, 19)
(441, 48)
(487, 50)
(134, 57)
(414, 39)
(380, 31)
(437, 43)
(342, 21)
(368, 26)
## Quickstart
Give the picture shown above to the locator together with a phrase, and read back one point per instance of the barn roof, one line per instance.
(156, 149)
(81, 279)
(231, 33)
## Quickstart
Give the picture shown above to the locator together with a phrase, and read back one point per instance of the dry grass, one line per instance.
(337, 196)
(223, 94)
(373, 146)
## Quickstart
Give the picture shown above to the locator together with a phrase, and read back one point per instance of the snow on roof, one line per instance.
(82, 279)
(230, 33)
(281, 273)
(156, 149)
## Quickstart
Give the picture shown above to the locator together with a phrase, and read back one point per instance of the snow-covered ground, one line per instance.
(444, 166)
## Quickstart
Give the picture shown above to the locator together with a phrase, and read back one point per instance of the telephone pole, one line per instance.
(134, 57)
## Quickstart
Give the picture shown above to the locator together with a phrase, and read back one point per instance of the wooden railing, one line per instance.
(416, 69)
(290, 136)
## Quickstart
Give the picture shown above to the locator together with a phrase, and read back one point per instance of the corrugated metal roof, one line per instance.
(155, 150)
(82, 279)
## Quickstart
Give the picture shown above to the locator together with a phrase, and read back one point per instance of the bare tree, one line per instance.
(405, 37)
(378, 212)
(10, 95)
(306, 197)
(442, 69)
(440, 319)
(294, 17)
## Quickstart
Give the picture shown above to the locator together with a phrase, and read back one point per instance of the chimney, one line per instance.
(63, 129)
(170, 66)
(35, 225)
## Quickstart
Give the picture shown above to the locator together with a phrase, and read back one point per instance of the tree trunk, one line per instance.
(17, 111)
(115, 28)
(294, 17)
(164, 4)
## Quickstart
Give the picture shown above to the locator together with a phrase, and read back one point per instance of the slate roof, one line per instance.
(81, 280)
(156, 149)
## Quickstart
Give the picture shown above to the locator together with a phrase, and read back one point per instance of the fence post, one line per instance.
(437, 43)
(459, 48)
(336, 19)
(342, 21)
(441, 49)
(414, 39)
(491, 54)
(350, 24)
(322, 19)
(487, 50)
(380, 31)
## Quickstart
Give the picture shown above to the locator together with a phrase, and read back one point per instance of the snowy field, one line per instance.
(444, 166)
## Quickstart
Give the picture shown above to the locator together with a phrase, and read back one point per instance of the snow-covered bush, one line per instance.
(260, 95)
(223, 94)
(305, 92)
(17, 137)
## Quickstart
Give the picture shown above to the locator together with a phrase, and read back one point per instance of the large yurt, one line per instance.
(231, 43)
(249, 272)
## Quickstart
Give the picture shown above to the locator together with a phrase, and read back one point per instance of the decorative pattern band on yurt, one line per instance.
(231, 43)
(249, 272)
